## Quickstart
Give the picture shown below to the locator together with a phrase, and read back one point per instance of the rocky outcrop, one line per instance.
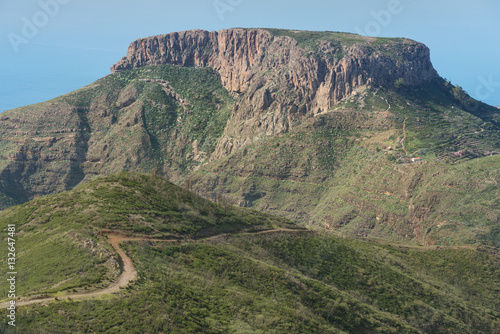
(278, 81)
(236, 53)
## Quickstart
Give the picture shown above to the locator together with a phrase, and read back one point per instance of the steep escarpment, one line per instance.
(237, 53)
(35, 148)
(280, 81)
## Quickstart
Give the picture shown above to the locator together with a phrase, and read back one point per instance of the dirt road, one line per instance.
(404, 136)
(129, 273)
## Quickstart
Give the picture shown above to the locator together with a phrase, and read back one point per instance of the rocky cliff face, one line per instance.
(278, 81)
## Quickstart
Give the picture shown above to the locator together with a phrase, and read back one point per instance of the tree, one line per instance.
(399, 83)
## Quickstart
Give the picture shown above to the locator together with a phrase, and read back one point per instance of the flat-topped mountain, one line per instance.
(316, 71)
(240, 56)
(335, 130)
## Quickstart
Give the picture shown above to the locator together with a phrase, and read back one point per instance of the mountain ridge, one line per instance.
(300, 130)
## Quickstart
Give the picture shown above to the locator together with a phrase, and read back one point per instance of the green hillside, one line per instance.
(60, 237)
(351, 169)
(289, 283)
(265, 276)
(165, 117)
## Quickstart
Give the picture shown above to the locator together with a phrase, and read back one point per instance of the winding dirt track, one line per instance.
(404, 136)
(128, 275)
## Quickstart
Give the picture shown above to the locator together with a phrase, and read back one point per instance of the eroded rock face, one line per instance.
(277, 81)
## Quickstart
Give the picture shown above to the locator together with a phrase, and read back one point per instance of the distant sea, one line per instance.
(39, 73)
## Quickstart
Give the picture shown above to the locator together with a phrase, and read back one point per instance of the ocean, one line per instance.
(41, 72)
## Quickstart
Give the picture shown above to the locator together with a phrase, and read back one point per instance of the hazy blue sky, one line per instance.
(48, 50)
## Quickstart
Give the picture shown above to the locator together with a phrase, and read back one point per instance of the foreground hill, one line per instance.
(264, 276)
(318, 127)
(60, 237)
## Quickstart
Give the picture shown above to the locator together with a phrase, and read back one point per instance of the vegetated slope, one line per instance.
(59, 244)
(351, 169)
(301, 282)
(319, 127)
(165, 116)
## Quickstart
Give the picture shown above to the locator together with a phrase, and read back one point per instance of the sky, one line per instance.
(51, 47)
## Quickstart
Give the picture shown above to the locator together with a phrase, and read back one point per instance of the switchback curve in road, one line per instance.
(128, 274)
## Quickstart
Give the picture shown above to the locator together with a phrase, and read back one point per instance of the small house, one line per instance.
(416, 159)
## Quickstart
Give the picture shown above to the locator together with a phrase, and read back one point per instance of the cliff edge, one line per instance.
(283, 76)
